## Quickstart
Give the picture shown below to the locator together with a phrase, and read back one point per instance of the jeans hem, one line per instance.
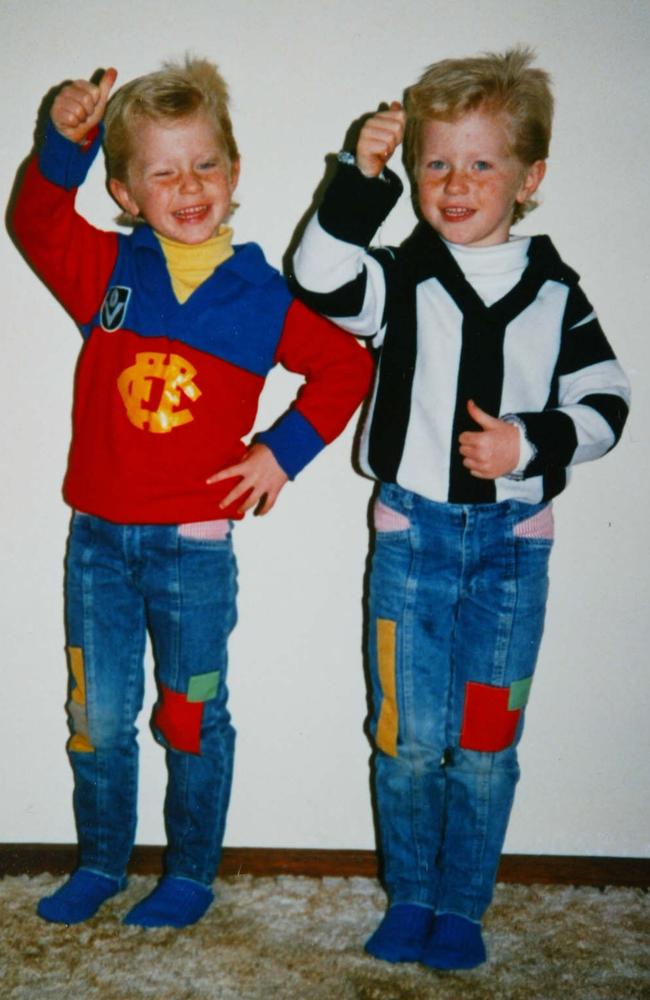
(187, 878)
(120, 879)
(411, 899)
(457, 913)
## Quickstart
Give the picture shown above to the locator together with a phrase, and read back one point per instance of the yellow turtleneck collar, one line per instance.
(190, 264)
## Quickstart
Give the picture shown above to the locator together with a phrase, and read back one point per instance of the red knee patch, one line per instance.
(488, 723)
(179, 720)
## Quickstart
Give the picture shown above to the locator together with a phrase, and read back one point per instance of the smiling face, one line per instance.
(179, 179)
(468, 179)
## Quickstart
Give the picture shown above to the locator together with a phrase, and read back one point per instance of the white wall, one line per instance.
(300, 71)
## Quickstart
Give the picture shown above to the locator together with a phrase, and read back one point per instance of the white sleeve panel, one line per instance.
(323, 264)
(604, 377)
(595, 436)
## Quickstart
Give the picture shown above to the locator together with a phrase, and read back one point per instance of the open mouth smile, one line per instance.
(195, 213)
(457, 214)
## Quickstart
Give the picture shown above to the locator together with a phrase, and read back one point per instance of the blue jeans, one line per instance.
(122, 581)
(456, 614)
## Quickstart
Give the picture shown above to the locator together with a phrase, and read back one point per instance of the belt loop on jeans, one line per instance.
(407, 498)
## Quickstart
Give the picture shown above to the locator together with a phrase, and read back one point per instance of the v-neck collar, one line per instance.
(428, 256)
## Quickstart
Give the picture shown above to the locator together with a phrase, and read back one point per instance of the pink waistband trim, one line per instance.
(387, 519)
(213, 531)
(540, 525)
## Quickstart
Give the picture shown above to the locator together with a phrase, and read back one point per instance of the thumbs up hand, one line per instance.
(380, 136)
(492, 451)
(79, 106)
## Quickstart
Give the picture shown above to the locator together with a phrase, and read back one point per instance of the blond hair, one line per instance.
(176, 91)
(501, 84)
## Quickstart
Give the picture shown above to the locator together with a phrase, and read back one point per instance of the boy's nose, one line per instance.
(456, 181)
(190, 181)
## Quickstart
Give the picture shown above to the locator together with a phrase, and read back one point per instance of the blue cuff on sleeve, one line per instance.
(66, 163)
(293, 441)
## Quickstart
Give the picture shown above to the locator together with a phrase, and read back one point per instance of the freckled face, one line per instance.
(468, 180)
(179, 179)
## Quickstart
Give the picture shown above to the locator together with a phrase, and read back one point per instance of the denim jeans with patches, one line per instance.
(456, 614)
(123, 581)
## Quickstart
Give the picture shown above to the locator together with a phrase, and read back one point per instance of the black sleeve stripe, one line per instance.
(354, 206)
(583, 340)
(554, 436)
(344, 301)
(583, 346)
(577, 308)
(612, 408)
(554, 481)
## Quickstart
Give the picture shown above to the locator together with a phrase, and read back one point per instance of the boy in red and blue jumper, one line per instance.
(493, 379)
(180, 329)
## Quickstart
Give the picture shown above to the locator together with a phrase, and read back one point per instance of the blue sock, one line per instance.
(79, 898)
(456, 943)
(402, 933)
(175, 902)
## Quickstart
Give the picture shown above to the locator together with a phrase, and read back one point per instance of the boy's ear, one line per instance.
(533, 177)
(123, 196)
(234, 174)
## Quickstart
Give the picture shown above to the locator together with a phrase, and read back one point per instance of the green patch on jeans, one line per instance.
(519, 691)
(203, 687)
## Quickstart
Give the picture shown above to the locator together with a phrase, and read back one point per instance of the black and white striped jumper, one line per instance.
(538, 354)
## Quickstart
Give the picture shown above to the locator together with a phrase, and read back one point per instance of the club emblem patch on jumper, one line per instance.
(153, 389)
(114, 308)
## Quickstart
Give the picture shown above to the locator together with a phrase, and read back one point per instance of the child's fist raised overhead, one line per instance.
(380, 136)
(80, 105)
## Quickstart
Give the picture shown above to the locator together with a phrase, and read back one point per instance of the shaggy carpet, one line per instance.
(297, 938)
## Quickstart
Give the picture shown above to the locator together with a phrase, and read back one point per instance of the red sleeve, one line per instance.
(74, 259)
(337, 370)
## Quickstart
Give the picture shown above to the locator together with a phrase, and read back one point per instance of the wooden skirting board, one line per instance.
(525, 869)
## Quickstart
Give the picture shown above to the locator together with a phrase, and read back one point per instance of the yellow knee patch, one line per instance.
(79, 740)
(388, 723)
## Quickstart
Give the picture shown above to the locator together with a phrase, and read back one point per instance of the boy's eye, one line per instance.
(437, 164)
(482, 165)
(162, 173)
(208, 165)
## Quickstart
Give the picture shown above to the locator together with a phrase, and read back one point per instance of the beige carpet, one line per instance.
(291, 938)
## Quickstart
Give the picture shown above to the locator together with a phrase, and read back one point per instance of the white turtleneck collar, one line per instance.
(492, 271)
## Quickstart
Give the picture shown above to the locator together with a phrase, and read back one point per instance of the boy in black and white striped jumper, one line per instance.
(493, 379)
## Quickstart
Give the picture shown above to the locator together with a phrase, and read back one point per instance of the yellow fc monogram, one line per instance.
(158, 380)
